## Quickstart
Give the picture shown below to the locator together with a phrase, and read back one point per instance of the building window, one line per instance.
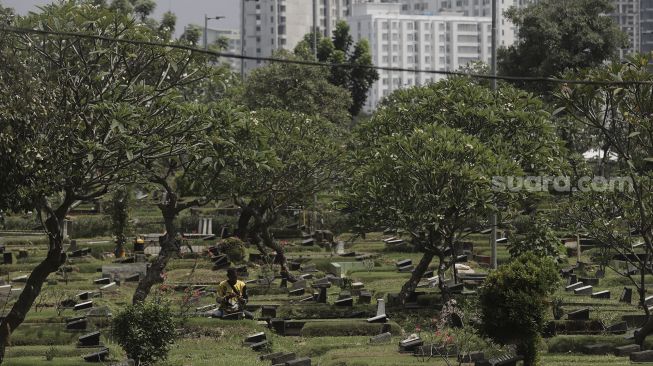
(384, 25)
(395, 48)
(384, 48)
(410, 59)
(395, 59)
(411, 48)
(384, 59)
(384, 36)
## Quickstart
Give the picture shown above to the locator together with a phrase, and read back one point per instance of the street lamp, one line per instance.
(206, 33)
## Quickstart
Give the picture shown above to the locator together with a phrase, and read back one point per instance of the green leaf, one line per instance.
(130, 155)
(633, 134)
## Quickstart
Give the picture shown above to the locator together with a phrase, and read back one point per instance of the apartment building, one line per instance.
(417, 41)
(281, 24)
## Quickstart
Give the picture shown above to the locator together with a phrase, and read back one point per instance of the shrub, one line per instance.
(346, 328)
(234, 248)
(145, 331)
(513, 303)
(537, 237)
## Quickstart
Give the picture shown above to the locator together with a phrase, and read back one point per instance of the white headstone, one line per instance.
(108, 287)
(340, 247)
(380, 307)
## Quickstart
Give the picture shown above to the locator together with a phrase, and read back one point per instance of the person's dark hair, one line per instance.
(231, 272)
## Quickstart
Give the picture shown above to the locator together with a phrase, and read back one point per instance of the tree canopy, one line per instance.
(555, 35)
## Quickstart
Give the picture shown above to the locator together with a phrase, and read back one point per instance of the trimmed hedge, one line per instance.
(575, 343)
(346, 328)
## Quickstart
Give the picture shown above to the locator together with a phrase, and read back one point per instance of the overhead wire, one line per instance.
(539, 79)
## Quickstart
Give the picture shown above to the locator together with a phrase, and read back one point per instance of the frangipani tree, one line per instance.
(430, 182)
(77, 115)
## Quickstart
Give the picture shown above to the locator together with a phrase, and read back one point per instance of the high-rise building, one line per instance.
(627, 15)
(410, 41)
(646, 25)
(281, 24)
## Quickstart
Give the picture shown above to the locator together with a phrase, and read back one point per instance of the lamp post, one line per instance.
(206, 33)
(493, 82)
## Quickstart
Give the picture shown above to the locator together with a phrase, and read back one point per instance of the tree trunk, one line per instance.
(54, 259)
(170, 246)
(243, 222)
(269, 242)
(442, 269)
(410, 286)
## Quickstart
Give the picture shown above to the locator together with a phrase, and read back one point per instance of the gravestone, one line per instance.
(365, 297)
(626, 295)
(597, 349)
(626, 350)
(304, 361)
(294, 266)
(283, 358)
(124, 270)
(403, 263)
(410, 344)
(102, 281)
(617, 328)
(572, 279)
(22, 253)
(20, 279)
(340, 248)
(89, 340)
(109, 287)
(642, 356)
(268, 311)
(601, 294)
(347, 301)
(322, 297)
(378, 319)
(255, 338)
(380, 307)
(296, 292)
(79, 324)
(600, 273)
(7, 258)
(308, 242)
(381, 338)
(584, 290)
(83, 305)
(406, 269)
(581, 314)
(299, 284)
(98, 356)
(259, 346)
(136, 277)
(574, 286)
(589, 281)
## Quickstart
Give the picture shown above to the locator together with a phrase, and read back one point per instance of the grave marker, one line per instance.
(99, 356)
(574, 286)
(581, 314)
(642, 356)
(601, 295)
(79, 324)
(83, 305)
(89, 340)
(585, 290)
(626, 350)
(347, 301)
(381, 338)
(626, 295)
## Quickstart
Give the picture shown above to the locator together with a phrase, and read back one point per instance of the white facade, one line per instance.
(281, 24)
(506, 31)
(627, 16)
(426, 42)
(233, 43)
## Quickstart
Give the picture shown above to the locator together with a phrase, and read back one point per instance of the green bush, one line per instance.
(145, 331)
(535, 236)
(91, 226)
(234, 248)
(345, 328)
(513, 303)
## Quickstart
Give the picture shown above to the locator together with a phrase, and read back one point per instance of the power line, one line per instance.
(316, 63)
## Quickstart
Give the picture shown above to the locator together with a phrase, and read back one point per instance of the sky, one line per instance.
(187, 11)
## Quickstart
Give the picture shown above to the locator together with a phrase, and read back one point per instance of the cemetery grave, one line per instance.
(341, 309)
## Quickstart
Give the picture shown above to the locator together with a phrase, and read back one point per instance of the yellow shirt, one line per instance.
(231, 304)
